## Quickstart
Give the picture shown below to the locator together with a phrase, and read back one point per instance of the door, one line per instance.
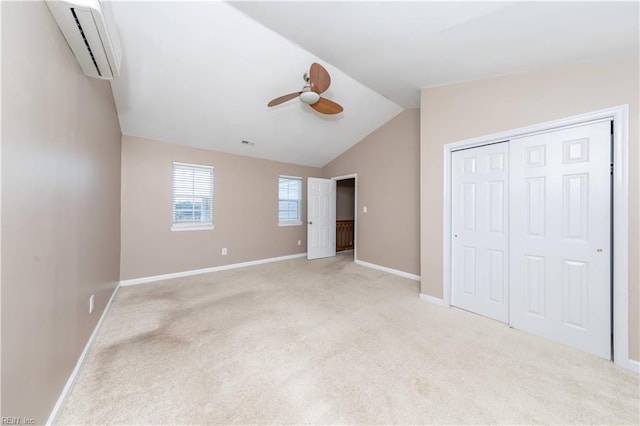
(480, 256)
(560, 246)
(321, 218)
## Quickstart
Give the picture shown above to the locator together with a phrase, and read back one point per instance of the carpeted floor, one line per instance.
(329, 342)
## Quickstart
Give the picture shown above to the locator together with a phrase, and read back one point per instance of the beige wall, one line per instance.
(345, 199)
(245, 210)
(387, 164)
(61, 208)
(462, 111)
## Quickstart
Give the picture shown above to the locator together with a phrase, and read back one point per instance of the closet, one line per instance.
(531, 234)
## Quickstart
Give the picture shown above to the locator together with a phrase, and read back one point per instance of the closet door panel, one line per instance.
(560, 247)
(479, 222)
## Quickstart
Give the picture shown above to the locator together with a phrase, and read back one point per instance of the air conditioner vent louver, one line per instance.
(86, 43)
(88, 27)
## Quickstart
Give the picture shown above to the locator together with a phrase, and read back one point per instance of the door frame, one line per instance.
(353, 176)
(620, 217)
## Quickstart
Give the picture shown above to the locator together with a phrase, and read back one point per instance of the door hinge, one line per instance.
(611, 169)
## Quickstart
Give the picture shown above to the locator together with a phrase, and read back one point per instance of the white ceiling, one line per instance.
(201, 73)
(396, 48)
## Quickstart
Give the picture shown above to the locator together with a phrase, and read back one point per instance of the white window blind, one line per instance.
(289, 200)
(192, 195)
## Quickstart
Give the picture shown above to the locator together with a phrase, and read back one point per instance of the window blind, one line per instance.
(192, 195)
(289, 199)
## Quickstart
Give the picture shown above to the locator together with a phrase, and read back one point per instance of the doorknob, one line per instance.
(599, 250)
(455, 235)
(310, 223)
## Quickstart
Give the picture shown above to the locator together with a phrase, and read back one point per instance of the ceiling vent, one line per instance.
(87, 25)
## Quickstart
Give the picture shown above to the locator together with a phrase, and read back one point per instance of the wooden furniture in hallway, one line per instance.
(344, 235)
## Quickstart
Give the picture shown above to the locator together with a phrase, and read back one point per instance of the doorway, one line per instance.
(348, 209)
(345, 214)
(322, 212)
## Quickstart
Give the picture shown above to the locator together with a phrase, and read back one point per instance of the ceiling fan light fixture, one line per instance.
(318, 81)
(309, 97)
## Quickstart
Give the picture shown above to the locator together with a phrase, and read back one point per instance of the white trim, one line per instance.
(154, 278)
(192, 228)
(446, 228)
(290, 223)
(353, 176)
(388, 270)
(620, 117)
(343, 177)
(608, 113)
(74, 374)
(621, 236)
(432, 300)
(291, 177)
(634, 365)
(202, 166)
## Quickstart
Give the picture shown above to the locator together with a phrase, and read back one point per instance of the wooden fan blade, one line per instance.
(325, 106)
(284, 98)
(319, 78)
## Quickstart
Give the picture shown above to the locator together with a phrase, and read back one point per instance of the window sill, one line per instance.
(296, 223)
(192, 228)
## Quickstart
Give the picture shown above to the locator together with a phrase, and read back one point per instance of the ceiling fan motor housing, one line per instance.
(309, 97)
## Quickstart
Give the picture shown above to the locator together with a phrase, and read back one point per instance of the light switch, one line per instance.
(364, 209)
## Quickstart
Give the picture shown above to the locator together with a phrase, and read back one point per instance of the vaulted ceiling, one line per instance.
(201, 73)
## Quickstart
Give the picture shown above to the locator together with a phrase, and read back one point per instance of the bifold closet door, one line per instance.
(560, 227)
(479, 223)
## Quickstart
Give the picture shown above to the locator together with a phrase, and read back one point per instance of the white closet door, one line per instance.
(479, 244)
(560, 236)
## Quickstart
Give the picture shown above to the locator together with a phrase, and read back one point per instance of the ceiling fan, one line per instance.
(318, 81)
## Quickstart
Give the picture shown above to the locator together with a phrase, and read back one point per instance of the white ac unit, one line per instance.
(87, 25)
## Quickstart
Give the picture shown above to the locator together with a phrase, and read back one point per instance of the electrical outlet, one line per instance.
(224, 251)
(91, 304)
(299, 242)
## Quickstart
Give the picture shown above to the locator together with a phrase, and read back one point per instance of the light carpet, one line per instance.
(329, 342)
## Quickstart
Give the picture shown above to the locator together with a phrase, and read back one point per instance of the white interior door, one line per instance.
(321, 218)
(560, 236)
(480, 256)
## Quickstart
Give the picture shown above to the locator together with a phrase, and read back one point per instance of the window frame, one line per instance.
(291, 222)
(192, 225)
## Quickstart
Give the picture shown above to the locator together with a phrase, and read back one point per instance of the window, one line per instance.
(290, 194)
(192, 196)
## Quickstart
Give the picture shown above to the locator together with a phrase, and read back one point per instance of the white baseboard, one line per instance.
(145, 280)
(633, 365)
(388, 270)
(74, 374)
(431, 299)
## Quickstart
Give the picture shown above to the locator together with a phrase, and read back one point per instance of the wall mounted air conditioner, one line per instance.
(87, 25)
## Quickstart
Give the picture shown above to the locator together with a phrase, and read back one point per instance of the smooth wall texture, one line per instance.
(462, 111)
(388, 168)
(245, 210)
(345, 199)
(60, 208)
